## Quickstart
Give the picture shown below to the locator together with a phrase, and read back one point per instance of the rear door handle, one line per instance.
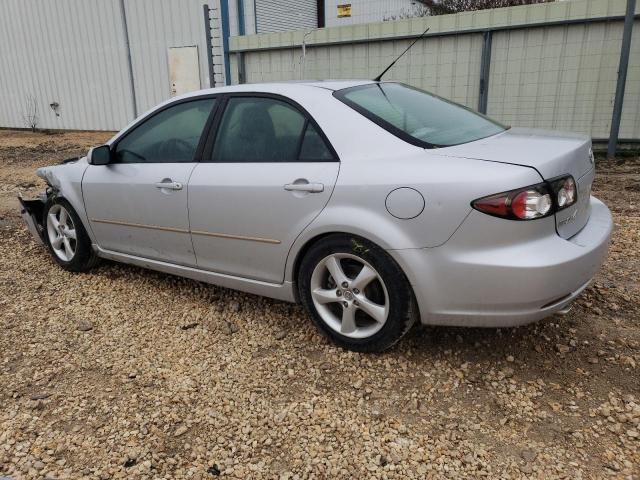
(169, 185)
(304, 187)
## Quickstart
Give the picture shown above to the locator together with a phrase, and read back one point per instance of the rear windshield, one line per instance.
(418, 117)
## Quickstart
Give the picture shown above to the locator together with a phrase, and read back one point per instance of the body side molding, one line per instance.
(283, 291)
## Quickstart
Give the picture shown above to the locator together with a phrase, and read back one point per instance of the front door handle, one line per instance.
(169, 185)
(304, 187)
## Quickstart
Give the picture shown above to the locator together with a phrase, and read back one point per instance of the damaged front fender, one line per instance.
(32, 212)
(48, 174)
(65, 181)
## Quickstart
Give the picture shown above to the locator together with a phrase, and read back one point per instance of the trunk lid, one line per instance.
(551, 153)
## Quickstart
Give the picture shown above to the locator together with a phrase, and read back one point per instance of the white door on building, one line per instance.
(184, 70)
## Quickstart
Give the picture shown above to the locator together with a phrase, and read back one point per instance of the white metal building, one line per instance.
(74, 53)
(101, 62)
(266, 16)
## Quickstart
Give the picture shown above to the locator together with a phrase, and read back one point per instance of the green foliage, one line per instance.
(425, 8)
(443, 7)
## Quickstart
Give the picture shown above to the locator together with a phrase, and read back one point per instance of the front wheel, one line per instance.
(67, 240)
(356, 293)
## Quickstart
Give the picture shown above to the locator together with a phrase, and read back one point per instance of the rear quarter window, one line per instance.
(418, 117)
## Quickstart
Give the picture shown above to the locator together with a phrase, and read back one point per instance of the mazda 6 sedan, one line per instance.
(374, 204)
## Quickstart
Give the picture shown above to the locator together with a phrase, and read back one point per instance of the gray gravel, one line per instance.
(127, 373)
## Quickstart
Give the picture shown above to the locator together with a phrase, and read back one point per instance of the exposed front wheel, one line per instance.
(66, 237)
(356, 293)
(62, 234)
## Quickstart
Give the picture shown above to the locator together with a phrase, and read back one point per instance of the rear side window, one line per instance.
(313, 148)
(257, 129)
(170, 136)
(418, 117)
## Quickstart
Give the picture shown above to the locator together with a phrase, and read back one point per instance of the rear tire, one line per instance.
(66, 237)
(368, 306)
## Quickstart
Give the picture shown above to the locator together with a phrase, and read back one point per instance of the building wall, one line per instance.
(284, 15)
(249, 16)
(69, 51)
(545, 71)
(154, 26)
(367, 11)
(362, 11)
(73, 52)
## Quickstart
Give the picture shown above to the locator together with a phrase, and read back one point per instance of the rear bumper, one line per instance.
(484, 277)
(31, 212)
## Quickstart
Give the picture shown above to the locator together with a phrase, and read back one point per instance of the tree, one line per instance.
(425, 8)
(31, 113)
(443, 7)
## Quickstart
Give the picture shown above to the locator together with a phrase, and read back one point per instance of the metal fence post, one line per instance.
(132, 86)
(240, 8)
(255, 18)
(240, 55)
(622, 79)
(207, 33)
(485, 65)
(224, 20)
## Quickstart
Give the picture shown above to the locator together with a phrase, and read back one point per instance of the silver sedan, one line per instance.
(372, 203)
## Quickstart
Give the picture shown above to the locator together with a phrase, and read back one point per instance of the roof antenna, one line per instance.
(379, 77)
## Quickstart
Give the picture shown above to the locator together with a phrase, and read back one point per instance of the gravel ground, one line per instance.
(127, 373)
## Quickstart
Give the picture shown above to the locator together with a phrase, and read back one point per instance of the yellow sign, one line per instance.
(344, 10)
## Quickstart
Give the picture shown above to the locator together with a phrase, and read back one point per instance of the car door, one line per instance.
(267, 174)
(137, 204)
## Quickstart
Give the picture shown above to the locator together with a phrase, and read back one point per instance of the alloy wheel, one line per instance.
(61, 232)
(349, 295)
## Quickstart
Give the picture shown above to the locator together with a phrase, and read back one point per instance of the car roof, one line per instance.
(335, 84)
(280, 87)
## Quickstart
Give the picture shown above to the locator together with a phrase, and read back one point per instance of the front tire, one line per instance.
(356, 294)
(66, 238)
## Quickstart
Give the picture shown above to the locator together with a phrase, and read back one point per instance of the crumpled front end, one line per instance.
(32, 209)
(63, 180)
(32, 212)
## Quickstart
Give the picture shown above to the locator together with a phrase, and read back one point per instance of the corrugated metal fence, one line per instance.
(551, 65)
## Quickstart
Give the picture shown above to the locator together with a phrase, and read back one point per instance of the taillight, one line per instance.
(565, 192)
(529, 203)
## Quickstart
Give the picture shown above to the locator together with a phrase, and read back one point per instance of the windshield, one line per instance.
(418, 117)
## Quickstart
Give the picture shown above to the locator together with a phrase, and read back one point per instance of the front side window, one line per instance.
(417, 116)
(257, 129)
(170, 136)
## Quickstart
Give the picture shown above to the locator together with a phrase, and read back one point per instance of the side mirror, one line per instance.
(100, 155)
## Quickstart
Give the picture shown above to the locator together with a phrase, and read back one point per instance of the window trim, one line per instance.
(142, 120)
(222, 107)
(401, 134)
